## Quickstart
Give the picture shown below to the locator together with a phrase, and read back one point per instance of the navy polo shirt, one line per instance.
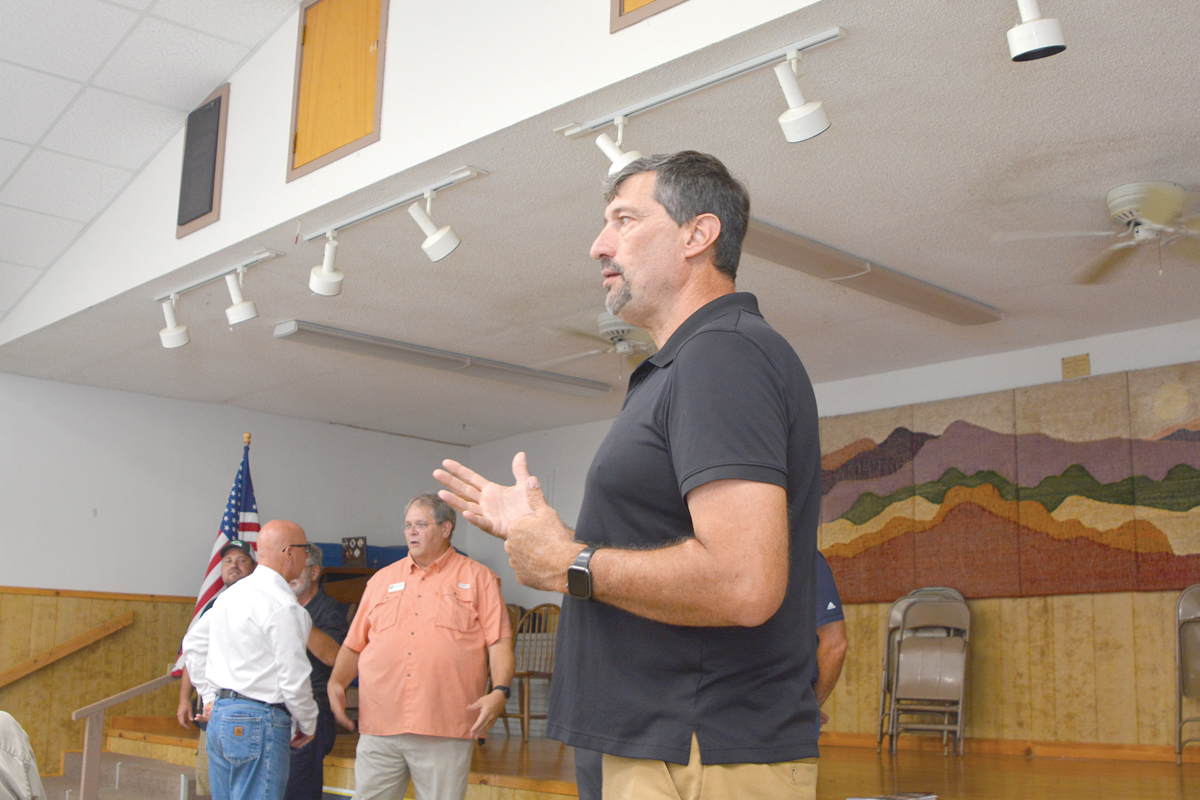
(725, 398)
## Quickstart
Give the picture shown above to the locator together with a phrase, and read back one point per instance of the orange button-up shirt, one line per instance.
(422, 637)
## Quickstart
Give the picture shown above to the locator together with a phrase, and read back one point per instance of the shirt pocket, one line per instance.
(385, 614)
(456, 610)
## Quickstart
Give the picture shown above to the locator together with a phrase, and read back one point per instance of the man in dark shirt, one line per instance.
(306, 774)
(688, 630)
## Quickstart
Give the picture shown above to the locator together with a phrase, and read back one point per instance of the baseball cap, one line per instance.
(240, 545)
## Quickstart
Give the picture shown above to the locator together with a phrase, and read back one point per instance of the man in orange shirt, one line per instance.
(425, 633)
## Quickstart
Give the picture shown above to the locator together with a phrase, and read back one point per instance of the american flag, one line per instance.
(240, 522)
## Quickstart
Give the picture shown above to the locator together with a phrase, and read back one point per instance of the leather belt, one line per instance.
(230, 694)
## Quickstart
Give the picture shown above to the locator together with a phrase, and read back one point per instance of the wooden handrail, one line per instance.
(79, 642)
(128, 694)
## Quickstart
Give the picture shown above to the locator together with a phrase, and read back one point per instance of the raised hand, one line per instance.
(486, 504)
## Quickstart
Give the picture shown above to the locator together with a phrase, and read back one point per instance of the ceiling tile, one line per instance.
(64, 185)
(248, 23)
(167, 64)
(11, 154)
(132, 130)
(15, 280)
(30, 102)
(70, 38)
(33, 239)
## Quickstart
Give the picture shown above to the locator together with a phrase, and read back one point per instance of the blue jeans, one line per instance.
(306, 775)
(248, 750)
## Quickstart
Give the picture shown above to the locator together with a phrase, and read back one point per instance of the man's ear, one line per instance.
(703, 233)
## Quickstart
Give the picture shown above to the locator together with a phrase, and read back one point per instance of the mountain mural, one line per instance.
(1004, 515)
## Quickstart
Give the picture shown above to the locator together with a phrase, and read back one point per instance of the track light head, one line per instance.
(325, 280)
(802, 120)
(613, 151)
(1035, 37)
(242, 309)
(174, 335)
(439, 242)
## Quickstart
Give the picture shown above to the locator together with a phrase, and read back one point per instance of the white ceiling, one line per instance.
(938, 142)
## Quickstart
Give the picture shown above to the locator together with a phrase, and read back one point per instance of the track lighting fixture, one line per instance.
(612, 149)
(439, 242)
(802, 120)
(800, 123)
(1035, 37)
(174, 335)
(325, 280)
(242, 309)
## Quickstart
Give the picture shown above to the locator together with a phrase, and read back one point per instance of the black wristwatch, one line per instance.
(579, 577)
(505, 689)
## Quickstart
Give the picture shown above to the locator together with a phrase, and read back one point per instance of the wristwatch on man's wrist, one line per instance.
(505, 689)
(579, 576)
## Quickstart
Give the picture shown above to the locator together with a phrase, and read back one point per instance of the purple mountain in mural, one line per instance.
(969, 449)
(880, 461)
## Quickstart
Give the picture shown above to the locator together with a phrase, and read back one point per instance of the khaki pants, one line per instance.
(202, 766)
(439, 767)
(645, 779)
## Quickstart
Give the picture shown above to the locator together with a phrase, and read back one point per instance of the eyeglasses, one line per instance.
(307, 548)
(421, 526)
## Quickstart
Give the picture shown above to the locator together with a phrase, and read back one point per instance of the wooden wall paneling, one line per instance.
(1042, 670)
(1116, 674)
(985, 678)
(1015, 709)
(860, 695)
(1075, 668)
(1154, 666)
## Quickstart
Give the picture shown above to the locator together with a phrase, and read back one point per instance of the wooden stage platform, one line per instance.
(505, 768)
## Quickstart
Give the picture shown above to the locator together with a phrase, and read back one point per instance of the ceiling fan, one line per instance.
(1147, 211)
(626, 340)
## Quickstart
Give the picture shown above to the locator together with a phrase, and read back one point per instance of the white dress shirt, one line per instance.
(19, 778)
(253, 641)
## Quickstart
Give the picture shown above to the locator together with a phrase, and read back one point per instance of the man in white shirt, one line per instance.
(247, 659)
(19, 779)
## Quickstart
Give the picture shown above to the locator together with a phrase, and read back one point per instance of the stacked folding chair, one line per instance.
(1187, 662)
(896, 634)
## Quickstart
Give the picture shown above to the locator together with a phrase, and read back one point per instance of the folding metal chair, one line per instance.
(1187, 662)
(930, 669)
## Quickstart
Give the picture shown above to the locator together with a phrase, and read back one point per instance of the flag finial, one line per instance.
(246, 439)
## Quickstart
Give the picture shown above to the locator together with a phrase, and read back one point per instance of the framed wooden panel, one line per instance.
(203, 164)
(337, 98)
(627, 12)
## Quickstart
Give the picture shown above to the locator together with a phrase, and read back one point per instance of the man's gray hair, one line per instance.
(689, 184)
(439, 508)
(316, 556)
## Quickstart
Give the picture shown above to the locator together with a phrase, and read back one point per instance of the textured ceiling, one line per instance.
(938, 142)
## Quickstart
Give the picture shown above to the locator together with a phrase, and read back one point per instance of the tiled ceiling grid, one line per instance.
(93, 89)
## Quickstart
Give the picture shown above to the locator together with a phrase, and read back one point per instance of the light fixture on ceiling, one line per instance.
(324, 279)
(174, 335)
(1036, 37)
(612, 149)
(794, 251)
(439, 242)
(802, 120)
(418, 355)
(242, 309)
(737, 70)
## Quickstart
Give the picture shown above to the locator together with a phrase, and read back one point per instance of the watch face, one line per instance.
(579, 582)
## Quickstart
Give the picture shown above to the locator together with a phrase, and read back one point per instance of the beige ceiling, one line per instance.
(938, 141)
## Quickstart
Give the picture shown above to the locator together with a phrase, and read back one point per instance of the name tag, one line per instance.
(464, 586)
(396, 587)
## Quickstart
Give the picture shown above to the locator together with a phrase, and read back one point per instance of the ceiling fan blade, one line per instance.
(1099, 271)
(1018, 236)
(1162, 204)
(1188, 246)
(567, 359)
(576, 333)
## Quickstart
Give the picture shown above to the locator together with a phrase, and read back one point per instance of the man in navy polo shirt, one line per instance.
(688, 622)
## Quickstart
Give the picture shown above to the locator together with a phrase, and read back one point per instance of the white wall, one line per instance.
(104, 490)
(455, 71)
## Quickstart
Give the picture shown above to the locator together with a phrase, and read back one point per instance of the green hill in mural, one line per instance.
(1179, 490)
